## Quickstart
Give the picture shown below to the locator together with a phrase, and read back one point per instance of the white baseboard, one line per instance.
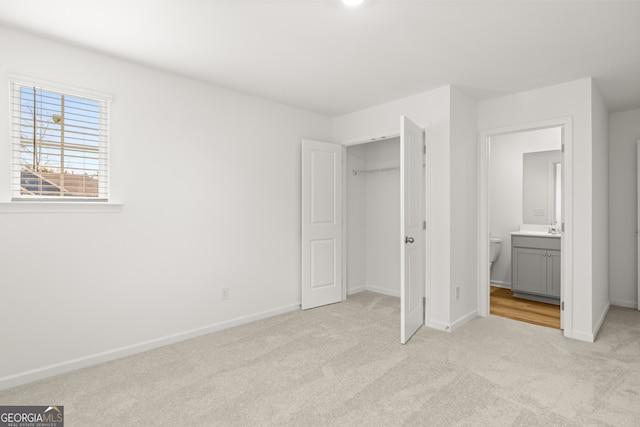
(464, 319)
(591, 336)
(440, 326)
(383, 291)
(624, 303)
(356, 290)
(498, 284)
(583, 336)
(83, 362)
(601, 320)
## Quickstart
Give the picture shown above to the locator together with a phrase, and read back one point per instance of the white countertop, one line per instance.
(536, 234)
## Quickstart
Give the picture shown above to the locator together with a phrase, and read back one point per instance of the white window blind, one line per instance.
(60, 144)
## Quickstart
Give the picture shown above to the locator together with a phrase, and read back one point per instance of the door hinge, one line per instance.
(562, 306)
(424, 225)
(562, 148)
(563, 227)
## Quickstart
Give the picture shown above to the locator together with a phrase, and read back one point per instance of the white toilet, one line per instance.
(495, 245)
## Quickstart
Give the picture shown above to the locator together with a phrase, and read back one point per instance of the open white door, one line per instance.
(321, 223)
(559, 175)
(411, 227)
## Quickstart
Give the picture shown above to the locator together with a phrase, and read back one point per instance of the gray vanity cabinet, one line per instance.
(535, 268)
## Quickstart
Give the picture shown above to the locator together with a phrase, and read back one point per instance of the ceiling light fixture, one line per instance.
(352, 3)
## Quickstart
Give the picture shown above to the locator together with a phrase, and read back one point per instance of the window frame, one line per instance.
(15, 83)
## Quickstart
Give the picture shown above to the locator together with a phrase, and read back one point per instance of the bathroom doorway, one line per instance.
(524, 212)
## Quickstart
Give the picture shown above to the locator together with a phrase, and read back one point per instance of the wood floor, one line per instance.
(504, 304)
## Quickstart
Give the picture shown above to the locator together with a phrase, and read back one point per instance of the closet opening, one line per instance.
(363, 223)
(372, 204)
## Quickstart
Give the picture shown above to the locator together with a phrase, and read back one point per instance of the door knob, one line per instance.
(408, 239)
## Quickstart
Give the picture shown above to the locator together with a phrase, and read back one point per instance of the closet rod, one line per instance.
(364, 172)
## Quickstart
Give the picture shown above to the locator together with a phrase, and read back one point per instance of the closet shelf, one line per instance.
(370, 171)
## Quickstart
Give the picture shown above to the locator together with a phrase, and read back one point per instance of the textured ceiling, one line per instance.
(323, 57)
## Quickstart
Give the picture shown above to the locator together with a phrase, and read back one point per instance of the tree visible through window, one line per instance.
(60, 144)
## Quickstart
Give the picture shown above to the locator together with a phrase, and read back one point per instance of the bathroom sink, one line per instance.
(535, 230)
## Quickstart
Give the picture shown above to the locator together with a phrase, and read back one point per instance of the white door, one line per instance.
(411, 226)
(321, 223)
(638, 219)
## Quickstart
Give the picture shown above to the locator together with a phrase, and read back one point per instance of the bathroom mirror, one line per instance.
(542, 187)
(557, 193)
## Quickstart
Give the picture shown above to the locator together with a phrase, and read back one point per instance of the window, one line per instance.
(59, 148)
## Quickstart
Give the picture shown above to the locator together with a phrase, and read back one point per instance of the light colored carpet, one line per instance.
(343, 365)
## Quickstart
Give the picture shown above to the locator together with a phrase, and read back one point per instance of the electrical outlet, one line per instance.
(224, 293)
(457, 292)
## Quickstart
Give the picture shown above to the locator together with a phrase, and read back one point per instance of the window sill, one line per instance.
(59, 207)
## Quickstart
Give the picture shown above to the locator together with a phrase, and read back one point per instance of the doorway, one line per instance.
(505, 211)
(373, 217)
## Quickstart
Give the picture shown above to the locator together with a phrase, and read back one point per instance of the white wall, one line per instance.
(463, 208)
(506, 184)
(433, 109)
(624, 132)
(210, 181)
(600, 227)
(572, 99)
